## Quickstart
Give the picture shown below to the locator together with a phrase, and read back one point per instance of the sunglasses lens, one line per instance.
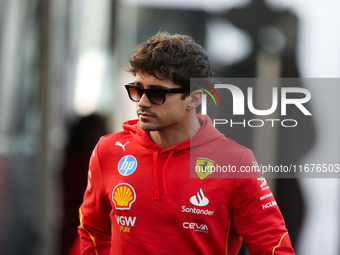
(156, 95)
(135, 93)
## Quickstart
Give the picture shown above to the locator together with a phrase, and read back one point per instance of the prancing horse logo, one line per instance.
(121, 145)
(203, 167)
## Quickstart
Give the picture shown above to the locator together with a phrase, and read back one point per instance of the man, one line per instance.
(140, 197)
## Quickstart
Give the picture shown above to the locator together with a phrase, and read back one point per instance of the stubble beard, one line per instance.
(147, 124)
(144, 126)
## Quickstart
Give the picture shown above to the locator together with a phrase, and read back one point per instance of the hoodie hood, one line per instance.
(206, 134)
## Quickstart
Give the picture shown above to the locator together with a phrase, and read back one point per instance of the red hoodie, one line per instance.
(142, 199)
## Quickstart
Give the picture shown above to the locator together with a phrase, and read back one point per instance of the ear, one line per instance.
(195, 99)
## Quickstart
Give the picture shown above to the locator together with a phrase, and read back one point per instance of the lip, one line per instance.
(145, 116)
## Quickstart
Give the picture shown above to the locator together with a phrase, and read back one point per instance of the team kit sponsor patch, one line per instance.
(125, 223)
(264, 186)
(127, 165)
(203, 167)
(121, 145)
(199, 200)
(123, 196)
(196, 227)
(89, 185)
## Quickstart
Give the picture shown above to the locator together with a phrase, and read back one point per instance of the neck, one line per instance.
(173, 136)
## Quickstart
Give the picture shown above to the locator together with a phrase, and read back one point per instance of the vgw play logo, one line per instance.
(239, 105)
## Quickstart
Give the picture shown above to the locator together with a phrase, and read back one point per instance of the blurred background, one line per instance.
(62, 70)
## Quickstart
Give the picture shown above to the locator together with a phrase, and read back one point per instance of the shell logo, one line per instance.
(123, 195)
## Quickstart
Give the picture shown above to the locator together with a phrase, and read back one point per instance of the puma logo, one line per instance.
(121, 145)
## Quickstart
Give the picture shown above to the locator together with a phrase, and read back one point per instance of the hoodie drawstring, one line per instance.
(164, 168)
(156, 172)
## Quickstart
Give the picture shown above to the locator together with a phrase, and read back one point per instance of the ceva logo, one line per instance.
(196, 227)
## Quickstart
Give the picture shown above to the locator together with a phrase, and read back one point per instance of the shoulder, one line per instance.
(113, 138)
(113, 141)
(239, 156)
(230, 146)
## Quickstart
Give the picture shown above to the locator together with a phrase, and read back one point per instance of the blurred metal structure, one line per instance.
(31, 121)
(39, 50)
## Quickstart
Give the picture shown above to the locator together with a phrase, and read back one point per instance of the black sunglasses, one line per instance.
(155, 95)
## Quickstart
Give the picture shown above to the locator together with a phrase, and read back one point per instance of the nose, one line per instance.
(144, 102)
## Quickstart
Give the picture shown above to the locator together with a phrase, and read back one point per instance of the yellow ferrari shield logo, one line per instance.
(203, 167)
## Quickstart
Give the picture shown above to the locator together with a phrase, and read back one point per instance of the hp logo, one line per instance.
(127, 165)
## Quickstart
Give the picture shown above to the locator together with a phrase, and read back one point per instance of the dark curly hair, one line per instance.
(174, 57)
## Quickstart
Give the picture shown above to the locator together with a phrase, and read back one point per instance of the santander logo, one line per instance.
(199, 199)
